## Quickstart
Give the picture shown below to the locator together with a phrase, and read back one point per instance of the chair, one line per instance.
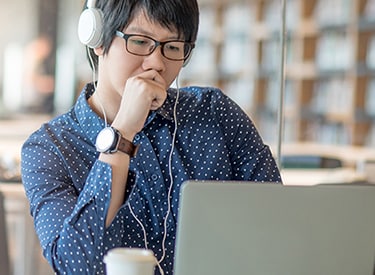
(4, 251)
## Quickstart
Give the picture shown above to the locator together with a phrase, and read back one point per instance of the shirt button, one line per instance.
(137, 137)
(154, 177)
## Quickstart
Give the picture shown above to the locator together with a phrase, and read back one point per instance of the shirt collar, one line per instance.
(88, 120)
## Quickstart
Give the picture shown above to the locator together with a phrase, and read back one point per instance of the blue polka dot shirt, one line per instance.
(69, 188)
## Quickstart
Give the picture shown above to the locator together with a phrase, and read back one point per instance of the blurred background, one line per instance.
(41, 60)
(329, 101)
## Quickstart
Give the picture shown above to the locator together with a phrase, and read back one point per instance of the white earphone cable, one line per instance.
(158, 262)
(170, 168)
(141, 225)
(94, 83)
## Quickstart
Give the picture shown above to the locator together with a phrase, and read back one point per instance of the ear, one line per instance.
(187, 60)
(99, 51)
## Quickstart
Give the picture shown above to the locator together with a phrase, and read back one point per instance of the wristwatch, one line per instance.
(109, 141)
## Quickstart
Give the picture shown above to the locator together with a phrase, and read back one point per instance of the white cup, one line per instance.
(130, 261)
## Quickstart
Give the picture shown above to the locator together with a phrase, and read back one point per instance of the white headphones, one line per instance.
(90, 26)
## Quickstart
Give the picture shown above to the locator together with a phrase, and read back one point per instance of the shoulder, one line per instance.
(209, 98)
(201, 93)
(52, 131)
(203, 97)
(79, 122)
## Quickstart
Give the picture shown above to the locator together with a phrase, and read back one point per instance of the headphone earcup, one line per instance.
(90, 27)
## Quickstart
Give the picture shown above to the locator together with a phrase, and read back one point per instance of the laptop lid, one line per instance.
(250, 228)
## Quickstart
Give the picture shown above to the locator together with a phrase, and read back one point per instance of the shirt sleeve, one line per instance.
(251, 158)
(70, 223)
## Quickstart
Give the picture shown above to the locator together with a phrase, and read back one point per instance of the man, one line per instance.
(108, 173)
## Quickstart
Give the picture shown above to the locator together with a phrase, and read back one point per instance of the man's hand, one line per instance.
(142, 93)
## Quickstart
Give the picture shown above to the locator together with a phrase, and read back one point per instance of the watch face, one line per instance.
(105, 140)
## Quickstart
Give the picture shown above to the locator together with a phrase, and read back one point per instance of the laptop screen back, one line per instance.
(248, 228)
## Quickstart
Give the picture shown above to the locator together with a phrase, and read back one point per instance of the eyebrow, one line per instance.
(142, 31)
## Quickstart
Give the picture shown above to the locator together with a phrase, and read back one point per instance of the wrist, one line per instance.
(127, 133)
(110, 140)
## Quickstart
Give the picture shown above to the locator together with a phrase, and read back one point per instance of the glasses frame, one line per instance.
(157, 44)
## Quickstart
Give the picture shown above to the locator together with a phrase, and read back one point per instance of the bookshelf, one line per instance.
(330, 65)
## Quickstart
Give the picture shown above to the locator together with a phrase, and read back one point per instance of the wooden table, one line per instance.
(24, 249)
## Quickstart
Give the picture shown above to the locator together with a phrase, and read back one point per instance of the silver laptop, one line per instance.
(234, 228)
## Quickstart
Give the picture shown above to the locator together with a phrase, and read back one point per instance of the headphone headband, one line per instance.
(91, 4)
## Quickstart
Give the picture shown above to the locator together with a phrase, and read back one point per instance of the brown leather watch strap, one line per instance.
(127, 147)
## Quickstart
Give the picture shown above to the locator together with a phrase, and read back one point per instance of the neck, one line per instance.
(99, 106)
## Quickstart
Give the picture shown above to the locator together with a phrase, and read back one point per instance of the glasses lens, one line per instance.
(140, 45)
(176, 50)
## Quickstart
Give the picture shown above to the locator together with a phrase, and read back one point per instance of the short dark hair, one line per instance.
(177, 15)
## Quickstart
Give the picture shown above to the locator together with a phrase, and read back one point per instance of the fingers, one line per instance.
(159, 79)
(151, 86)
(154, 76)
(158, 101)
(142, 93)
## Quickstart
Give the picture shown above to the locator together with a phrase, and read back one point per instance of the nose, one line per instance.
(155, 60)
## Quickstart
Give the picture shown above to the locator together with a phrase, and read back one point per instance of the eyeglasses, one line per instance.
(143, 45)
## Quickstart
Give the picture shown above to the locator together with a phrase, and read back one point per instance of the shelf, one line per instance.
(333, 13)
(330, 65)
